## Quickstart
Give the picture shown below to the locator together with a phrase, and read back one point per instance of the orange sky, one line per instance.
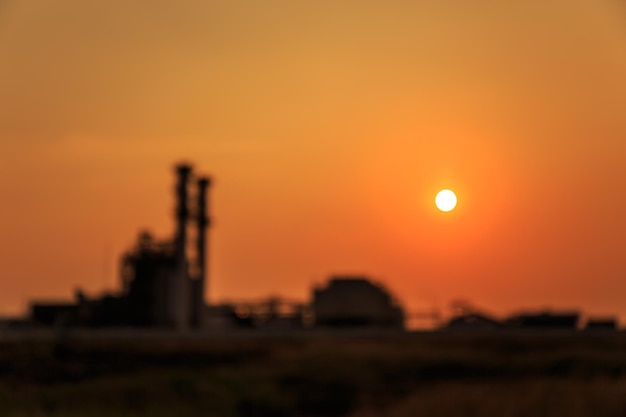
(329, 127)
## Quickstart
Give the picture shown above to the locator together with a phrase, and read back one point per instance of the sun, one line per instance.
(445, 200)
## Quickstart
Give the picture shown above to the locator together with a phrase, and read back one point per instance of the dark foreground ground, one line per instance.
(489, 374)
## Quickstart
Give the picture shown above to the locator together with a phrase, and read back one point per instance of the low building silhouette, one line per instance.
(545, 320)
(270, 313)
(473, 321)
(601, 324)
(54, 313)
(355, 301)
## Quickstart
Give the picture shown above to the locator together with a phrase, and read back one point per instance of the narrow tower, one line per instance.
(203, 223)
(180, 282)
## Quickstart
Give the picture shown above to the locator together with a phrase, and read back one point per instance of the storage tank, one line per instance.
(356, 301)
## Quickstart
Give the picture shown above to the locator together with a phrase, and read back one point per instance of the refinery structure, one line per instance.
(164, 284)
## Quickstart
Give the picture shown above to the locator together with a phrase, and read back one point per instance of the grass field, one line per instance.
(489, 374)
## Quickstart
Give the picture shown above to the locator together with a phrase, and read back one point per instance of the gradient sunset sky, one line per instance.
(328, 126)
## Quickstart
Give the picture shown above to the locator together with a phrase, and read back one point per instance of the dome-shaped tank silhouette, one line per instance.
(356, 301)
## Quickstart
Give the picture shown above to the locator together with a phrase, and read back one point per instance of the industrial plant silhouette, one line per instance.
(161, 284)
(164, 285)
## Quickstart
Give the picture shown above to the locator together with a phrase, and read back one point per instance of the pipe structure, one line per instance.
(203, 223)
(180, 287)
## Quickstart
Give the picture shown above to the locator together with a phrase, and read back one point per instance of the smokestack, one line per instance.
(201, 249)
(180, 296)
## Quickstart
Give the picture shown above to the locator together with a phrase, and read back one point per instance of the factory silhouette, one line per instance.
(161, 284)
(164, 284)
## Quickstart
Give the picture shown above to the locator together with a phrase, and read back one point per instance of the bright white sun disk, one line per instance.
(445, 200)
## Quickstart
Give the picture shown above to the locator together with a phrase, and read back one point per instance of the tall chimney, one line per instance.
(180, 290)
(201, 249)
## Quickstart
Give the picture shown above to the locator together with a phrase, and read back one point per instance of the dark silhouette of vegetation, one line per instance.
(515, 374)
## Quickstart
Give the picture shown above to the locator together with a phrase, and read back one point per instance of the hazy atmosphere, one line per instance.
(328, 128)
